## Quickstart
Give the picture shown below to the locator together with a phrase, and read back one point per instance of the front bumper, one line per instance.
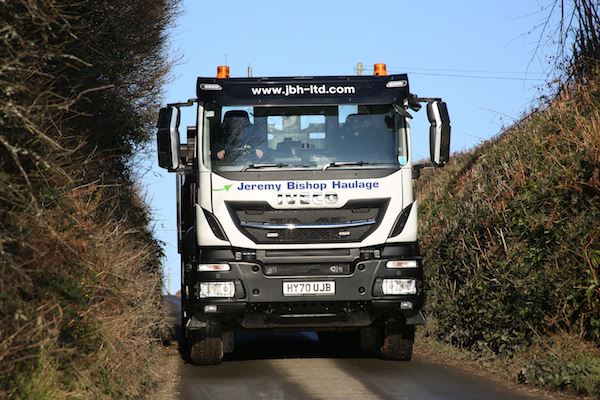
(259, 301)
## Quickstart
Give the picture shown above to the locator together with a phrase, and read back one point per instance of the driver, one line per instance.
(238, 134)
(357, 138)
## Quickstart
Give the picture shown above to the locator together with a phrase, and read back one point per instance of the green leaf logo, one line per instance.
(225, 188)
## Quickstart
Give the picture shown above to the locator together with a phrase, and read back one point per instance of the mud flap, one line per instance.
(194, 325)
(417, 319)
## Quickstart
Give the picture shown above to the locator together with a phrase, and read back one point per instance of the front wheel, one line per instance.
(207, 351)
(397, 341)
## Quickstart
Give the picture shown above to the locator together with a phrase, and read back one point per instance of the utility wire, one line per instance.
(460, 70)
(466, 73)
(473, 71)
(504, 78)
(467, 70)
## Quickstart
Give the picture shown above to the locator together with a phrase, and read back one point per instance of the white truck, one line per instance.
(296, 211)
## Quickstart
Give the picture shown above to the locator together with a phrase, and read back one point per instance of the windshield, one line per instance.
(243, 138)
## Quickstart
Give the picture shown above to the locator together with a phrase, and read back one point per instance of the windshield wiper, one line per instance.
(265, 165)
(352, 163)
(344, 163)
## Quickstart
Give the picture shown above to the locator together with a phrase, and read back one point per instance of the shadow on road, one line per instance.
(268, 345)
(278, 345)
(298, 366)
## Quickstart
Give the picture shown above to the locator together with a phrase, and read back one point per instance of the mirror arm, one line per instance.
(188, 103)
(418, 99)
(186, 163)
(424, 165)
(184, 170)
(414, 101)
(417, 168)
(402, 111)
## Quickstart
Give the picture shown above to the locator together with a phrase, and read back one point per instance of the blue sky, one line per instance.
(477, 55)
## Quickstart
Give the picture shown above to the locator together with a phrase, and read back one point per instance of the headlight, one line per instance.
(217, 289)
(399, 286)
(213, 267)
(394, 264)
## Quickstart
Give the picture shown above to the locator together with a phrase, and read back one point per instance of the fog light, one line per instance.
(394, 264)
(217, 289)
(406, 305)
(213, 267)
(210, 308)
(399, 286)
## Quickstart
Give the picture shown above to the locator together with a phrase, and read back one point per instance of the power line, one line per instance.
(463, 70)
(476, 71)
(504, 78)
(469, 74)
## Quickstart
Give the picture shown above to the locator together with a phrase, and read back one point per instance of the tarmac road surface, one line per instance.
(298, 366)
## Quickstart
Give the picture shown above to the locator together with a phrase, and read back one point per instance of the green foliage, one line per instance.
(38, 381)
(565, 364)
(510, 232)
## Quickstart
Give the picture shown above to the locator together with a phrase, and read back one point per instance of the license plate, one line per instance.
(308, 288)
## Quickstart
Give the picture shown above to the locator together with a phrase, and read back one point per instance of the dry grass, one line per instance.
(86, 305)
(80, 280)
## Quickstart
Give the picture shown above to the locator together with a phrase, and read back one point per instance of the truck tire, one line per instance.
(370, 337)
(398, 341)
(228, 341)
(207, 351)
(184, 321)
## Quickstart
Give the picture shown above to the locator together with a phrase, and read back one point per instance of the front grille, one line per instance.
(351, 223)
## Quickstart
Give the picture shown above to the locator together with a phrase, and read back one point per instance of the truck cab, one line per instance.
(296, 208)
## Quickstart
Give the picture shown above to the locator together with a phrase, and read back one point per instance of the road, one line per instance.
(297, 366)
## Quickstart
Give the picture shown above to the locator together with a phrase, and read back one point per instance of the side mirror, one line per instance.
(167, 138)
(439, 132)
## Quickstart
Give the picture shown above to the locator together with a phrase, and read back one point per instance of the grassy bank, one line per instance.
(80, 279)
(512, 245)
